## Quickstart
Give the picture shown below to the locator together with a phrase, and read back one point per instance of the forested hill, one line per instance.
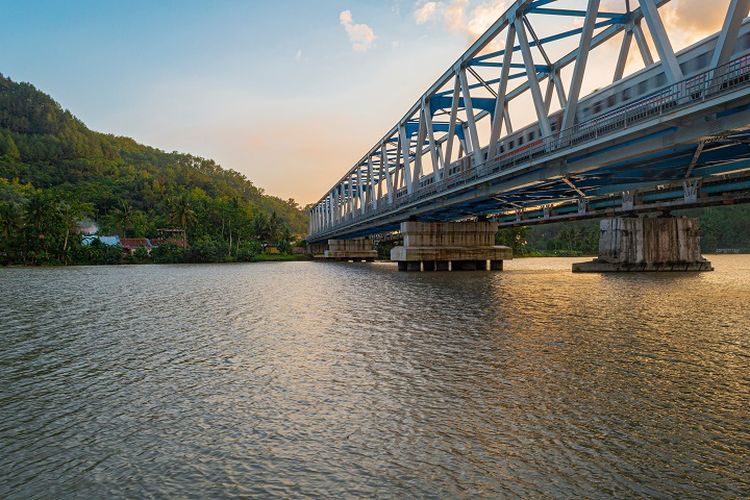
(45, 148)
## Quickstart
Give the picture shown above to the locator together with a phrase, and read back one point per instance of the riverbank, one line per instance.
(133, 260)
(282, 258)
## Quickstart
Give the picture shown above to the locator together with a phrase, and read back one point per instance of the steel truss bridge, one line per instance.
(675, 134)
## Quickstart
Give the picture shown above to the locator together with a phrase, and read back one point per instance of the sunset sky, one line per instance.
(290, 93)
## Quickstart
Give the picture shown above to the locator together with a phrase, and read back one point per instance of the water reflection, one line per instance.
(357, 380)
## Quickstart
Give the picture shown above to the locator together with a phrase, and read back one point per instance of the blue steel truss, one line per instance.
(674, 132)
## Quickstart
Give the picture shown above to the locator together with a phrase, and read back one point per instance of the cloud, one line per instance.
(425, 12)
(361, 36)
(686, 21)
(691, 20)
(458, 17)
(454, 15)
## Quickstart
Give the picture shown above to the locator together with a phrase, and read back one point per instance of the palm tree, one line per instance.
(39, 209)
(123, 213)
(261, 227)
(181, 212)
(70, 213)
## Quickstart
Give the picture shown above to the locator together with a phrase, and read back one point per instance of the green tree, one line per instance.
(123, 214)
(261, 227)
(513, 237)
(181, 212)
(8, 147)
(11, 219)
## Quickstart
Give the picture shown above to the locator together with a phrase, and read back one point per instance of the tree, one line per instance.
(513, 237)
(123, 213)
(8, 147)
(70, 212)
(261, 227)
(11, 219)
(37, 210)
(52, 165)
(181, 212)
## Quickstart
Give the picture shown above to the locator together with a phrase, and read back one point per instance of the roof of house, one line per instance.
(110, 241)
(133, 243)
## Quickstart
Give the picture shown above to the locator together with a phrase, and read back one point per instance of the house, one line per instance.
(130, 245)
(176, 237)
(110, 241)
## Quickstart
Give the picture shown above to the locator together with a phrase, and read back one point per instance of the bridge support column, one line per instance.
(641, 244)
(359, 249)
(450, 246)
(316, 248)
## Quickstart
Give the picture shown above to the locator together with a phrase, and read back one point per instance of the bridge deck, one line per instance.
(685, 144)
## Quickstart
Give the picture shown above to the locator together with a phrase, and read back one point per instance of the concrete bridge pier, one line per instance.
(449, 246)
(316, 248)
(359, 249)
(638, 244)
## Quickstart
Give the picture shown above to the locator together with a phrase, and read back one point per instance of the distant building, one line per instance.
(110, 241)
(176, 237)
(130, 245)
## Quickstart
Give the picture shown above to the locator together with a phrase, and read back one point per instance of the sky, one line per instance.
(290, 92)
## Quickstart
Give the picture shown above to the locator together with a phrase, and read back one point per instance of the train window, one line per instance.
(626, 94)
(611, 101)
(597, 107)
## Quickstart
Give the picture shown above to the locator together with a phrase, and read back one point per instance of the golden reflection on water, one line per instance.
(356, 380)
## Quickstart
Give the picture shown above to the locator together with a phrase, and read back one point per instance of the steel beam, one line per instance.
(661, 41)
(476, 149)
(452, 121)
(536, 93)
(510, 39)
(736, 12)
(622, 58)
(640, 39)
(580, 65)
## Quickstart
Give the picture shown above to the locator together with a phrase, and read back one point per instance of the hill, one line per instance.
(50, 160)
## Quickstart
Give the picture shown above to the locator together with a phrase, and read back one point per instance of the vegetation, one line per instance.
(570, 239)
(55, 172)
(725, 227)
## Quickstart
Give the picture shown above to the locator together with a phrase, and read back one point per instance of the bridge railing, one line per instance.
(697, 88)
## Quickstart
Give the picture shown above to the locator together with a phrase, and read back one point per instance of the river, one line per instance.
(306, 378)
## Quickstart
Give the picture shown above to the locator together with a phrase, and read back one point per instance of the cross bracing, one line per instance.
(456, 153)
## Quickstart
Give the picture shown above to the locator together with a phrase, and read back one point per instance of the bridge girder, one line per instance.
(394, 169)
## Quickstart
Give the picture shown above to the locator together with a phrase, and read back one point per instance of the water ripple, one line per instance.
(355, 380)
